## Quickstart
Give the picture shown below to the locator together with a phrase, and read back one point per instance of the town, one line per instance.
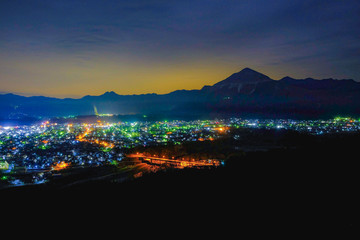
(29, 154)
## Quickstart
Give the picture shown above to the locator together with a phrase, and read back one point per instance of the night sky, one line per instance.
(74, 48)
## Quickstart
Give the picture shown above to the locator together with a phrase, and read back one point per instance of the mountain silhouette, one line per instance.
(245, 76)
(247, 93)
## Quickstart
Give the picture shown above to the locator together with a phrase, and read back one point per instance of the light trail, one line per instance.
(176, 162)
(88, 131)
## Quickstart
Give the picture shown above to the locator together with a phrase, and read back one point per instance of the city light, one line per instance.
(61, 165)
(40, 150)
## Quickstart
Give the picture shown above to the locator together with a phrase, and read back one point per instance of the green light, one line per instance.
(43, 147)
(105, 149)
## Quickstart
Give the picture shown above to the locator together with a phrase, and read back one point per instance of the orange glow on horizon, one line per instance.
(123, 76)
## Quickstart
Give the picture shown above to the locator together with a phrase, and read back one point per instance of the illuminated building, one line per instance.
(4, 165)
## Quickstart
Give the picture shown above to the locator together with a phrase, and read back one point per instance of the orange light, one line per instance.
(184, 164)
(61, 165)
(220, 129)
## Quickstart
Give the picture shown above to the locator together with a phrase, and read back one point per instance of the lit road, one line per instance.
(176, 162)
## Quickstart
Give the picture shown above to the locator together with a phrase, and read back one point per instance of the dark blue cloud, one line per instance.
(282, 32)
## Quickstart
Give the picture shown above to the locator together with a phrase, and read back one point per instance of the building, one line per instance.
(4, 165)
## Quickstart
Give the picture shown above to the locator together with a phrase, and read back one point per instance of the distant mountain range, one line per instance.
(247, 93)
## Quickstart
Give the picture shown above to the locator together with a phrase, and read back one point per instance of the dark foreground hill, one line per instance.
(247, 93)
(307, 189)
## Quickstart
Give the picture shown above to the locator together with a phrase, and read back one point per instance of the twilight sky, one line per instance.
(71, 48)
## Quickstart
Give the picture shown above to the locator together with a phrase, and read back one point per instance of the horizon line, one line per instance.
(22, 94)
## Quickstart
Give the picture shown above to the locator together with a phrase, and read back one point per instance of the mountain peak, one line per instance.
(287, 78)
(248, 70)
(110, 93)
(247, 75)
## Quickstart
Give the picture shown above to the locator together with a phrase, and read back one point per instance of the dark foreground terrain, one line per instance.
(309, 190)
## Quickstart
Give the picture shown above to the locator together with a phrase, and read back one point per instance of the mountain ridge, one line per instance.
(245, 93)
(235, 76)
